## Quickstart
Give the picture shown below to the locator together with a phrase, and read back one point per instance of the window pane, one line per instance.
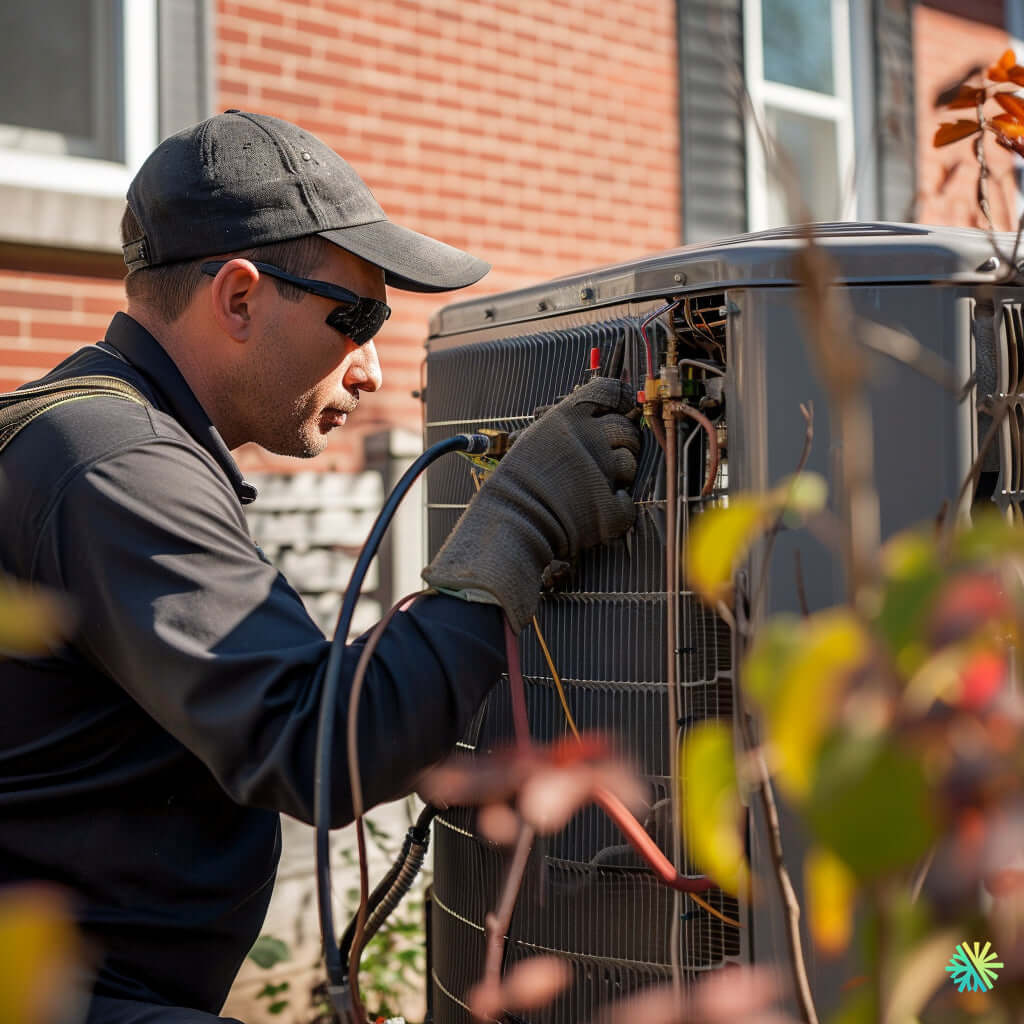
(797, 37)
(811, 157)
(61, 72)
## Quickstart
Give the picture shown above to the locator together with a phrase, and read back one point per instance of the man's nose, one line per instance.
(364, 369)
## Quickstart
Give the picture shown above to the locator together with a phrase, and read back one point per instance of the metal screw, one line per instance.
(541, 306)
(586, 293)
(679, 278)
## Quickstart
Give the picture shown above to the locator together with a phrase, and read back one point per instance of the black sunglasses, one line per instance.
(357, 317)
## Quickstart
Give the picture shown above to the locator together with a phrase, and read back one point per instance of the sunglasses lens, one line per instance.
(360, 320)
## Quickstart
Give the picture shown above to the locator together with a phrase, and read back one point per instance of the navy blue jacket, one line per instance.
(143, 765)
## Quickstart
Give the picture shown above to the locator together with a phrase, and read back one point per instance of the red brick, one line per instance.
(265, 15)
(34, 300)
(63, 330)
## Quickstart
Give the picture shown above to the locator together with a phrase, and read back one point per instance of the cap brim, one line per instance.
(411, 261)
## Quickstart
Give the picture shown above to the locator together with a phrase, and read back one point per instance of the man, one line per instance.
(144, 764)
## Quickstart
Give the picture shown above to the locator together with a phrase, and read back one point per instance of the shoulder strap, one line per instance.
(19, 408)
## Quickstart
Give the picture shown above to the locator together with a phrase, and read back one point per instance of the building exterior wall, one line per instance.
(947, 177)
(542, 137)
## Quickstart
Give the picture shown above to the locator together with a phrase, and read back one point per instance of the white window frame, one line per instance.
(104, 178)
(842, 108)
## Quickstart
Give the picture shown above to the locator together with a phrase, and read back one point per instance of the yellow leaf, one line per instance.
(831, 889)
(803, 492)
(38, 951)
(712, 809)
(797, 680)
(719, 539)
(32, 621)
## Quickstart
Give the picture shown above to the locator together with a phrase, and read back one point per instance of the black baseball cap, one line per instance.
(239, 180)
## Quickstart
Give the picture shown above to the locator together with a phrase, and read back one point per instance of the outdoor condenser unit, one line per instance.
(493, 361)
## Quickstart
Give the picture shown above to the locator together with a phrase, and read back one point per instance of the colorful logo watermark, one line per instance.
(974, 968)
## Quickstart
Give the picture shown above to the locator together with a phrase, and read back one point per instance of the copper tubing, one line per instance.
(640, 840)
(682, 409)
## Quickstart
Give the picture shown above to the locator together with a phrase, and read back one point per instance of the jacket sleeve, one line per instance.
(179, 608)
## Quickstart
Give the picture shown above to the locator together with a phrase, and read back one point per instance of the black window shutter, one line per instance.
(711, 111)
(896, 137)
(184, 30)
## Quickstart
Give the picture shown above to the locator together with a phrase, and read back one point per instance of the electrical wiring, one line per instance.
(558, 680)
(643, 331)
(475, 444)
(701, 364)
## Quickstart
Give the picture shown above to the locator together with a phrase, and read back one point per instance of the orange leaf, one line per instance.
(966, 96)
(1008, 125)
(954, 131)
(1016, 74)
(1010, 103)
(998, 71)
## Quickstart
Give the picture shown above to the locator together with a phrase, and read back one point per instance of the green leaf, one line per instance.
(711, 804)
(268, 951)
(278, 1007)
(722, 536)
(804, 493)
(796, 670)
(871, 805)
(914, 575)
(989, 539)
(858, 1007)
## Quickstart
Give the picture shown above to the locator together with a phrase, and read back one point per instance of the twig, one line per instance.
(801, 593)
(497, 923)
(787, 893)
(979, 155)
(906, 349)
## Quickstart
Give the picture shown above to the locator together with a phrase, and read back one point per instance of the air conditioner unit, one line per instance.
(493, 361)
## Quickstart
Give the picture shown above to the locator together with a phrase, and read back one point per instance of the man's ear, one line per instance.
(232, 296)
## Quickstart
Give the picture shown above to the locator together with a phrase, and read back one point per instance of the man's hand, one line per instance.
(560, 489)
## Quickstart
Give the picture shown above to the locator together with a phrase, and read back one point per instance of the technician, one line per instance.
(144, 764)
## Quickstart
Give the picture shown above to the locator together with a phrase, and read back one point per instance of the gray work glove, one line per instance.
(560, 489)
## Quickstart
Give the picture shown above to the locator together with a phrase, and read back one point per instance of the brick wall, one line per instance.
(540, 136)
(45, 317)
(946, 44)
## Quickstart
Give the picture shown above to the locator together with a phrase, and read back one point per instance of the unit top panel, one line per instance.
(860, 252)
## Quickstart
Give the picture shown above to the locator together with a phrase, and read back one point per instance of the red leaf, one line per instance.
(966, 604)
(966, 96)
(982, 679)
(954, 131)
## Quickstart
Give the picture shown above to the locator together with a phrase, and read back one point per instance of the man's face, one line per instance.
(307, 375)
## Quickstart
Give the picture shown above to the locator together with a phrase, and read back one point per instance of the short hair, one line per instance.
(167, 289)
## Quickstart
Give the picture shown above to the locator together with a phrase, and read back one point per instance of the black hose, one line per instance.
(391, 889)
(474, 444)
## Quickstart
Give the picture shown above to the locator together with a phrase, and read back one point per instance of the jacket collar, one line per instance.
(136, 346)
